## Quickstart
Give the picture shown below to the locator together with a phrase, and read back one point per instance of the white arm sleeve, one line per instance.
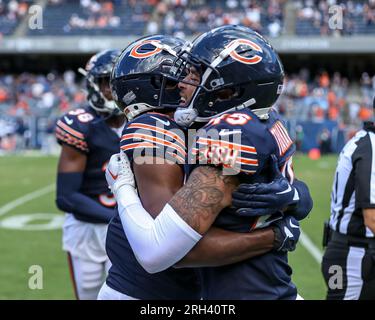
(157, 243)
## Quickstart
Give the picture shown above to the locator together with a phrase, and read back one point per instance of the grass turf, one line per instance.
(21, 249)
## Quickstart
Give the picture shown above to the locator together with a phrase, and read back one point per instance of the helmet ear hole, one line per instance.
(171, 84)
(225, 94)
(156, 82)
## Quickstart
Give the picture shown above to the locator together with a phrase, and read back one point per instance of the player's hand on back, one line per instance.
(287, 231)
(260, 199)
(119, 173)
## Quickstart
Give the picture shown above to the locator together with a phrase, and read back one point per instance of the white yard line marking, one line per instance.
(311, 247)
(27, 197)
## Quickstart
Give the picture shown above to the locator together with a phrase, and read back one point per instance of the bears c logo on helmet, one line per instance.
(236, 56)
(140, 55)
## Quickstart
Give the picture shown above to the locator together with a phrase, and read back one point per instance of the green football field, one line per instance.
(30, 234)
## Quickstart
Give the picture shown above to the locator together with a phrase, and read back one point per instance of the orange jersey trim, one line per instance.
(73, 132)
(158, 130)
(151, 138)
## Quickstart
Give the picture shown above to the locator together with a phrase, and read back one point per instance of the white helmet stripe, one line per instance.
(164, 47)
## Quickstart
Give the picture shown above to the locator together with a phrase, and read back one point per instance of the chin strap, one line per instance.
(131, 111)
(185, 116)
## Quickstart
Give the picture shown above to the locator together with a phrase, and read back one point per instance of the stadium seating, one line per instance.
(11, 14)
(313, 17)
(69, 17)
(187, 18)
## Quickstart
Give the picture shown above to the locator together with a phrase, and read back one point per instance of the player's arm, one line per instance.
(160, 243)
(157, 183)
(220, 247)
(156, 186)
(71, 166)
(205, 194)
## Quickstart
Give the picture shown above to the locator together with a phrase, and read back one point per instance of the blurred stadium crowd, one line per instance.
(188, 17)
(313, 17)
(30, 100)
(11, 13)
(31, 103)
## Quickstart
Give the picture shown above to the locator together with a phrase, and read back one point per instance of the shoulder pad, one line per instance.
(155, 135)
(72, 128)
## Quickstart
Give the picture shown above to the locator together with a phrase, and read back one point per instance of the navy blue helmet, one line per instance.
(140, 79)
(98, 70)
(238, 69)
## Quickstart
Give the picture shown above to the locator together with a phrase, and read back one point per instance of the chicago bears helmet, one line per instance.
(140, 80)
(98, 69)
(236, 61)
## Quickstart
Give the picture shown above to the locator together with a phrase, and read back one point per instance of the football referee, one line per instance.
(348, 264)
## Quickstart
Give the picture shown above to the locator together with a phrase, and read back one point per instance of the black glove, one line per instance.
(260, 199)
(287, 232)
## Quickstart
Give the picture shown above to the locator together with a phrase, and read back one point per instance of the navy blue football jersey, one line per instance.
(155, 135)
(84, 130)
(242, 144)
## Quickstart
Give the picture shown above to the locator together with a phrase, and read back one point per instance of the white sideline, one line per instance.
(27, 197)
(311, 247)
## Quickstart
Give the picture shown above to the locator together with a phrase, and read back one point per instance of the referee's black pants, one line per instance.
(349, 272)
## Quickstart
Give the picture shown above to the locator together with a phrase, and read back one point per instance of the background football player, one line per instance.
(222, 251)
(221, 57)
(88, 136)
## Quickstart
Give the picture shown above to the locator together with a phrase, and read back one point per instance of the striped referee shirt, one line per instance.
(354, 184)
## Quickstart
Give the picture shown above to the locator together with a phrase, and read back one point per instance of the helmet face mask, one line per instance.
(141, 80)
(97, 72)
(235, 60)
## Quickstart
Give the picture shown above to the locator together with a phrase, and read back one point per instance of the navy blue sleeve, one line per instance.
(305, 204)
(71, 200)
(154, 135)
(72, 129)
(285, 150)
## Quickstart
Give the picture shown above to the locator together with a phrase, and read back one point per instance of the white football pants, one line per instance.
(88, 262)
